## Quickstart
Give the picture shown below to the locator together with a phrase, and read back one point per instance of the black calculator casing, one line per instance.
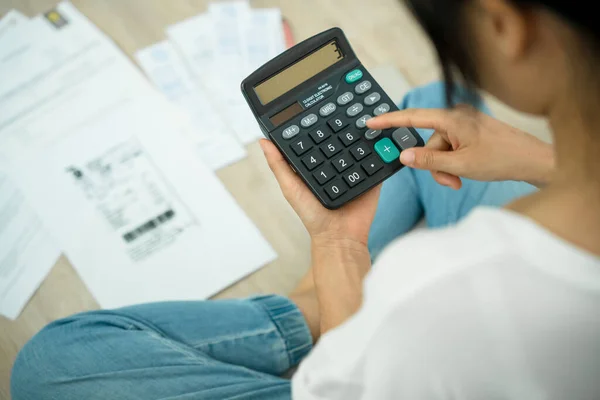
(334, 76)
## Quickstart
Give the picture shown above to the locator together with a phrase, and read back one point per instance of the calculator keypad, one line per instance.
(343, 163)
(301, 146)
(324, 174)
(313, 160)
(331, 147)
(334, 144)
(361, 151)
(337, 123)
(335, 189)
(321, 134)
(354, 110)
(344, 99)
(354, 177)
(349, 137)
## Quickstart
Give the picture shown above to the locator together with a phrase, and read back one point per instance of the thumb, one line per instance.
(431, 160)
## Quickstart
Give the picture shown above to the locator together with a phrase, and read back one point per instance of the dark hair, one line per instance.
(443, 21)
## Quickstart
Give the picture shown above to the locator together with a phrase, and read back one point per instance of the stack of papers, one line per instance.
(98, 164)
(200, 68)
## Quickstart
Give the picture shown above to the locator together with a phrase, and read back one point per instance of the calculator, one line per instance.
(313, 102)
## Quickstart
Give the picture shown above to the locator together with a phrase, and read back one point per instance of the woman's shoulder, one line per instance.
(487, 239)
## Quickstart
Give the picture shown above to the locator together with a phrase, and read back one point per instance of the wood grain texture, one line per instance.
(381, 32)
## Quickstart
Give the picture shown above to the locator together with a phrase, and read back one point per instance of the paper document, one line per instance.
(125, 194)
(138, 213)
(224, 46)
(27, 252)
(216, 143)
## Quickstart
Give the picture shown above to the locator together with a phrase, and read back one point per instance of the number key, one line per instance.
(320, 134)
(360, 151)
(343, 163)
(301, 146)
(355, 177)
(335, 189)
(313, 160)
(331, 148)
(337, 123)
(349, 137)
(324, 174)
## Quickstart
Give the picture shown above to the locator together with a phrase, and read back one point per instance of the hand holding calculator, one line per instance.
(313, 102)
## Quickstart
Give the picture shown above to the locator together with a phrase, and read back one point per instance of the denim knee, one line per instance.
(35, 366)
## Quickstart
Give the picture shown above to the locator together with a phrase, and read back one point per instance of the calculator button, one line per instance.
(362, 121)
(313, 160)
(404, 138)
(327, 110)
(355, 177)
(335, 189)
(343, 163)
(372, 99)
(360, 151)
(320, 134)
(324, 174)
(338, 123)
(344, 99)
(301, 146)
(363, 87)
(382, 109)
(354, 76)
(331, 148)
(387, 151)
(354, 110)
(372, 134)
(290, 132)
(349, 137)
(309, 121)
(372, 165)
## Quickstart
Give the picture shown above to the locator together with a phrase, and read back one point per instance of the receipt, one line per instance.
(217, 144)
(219, 64)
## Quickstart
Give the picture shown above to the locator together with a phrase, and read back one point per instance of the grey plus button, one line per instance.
(362, 121)
(382, 109)
(404, 138)
(363, 87)
(291, 131)
(344, 99)
(354, 110)
(327, 109)
(309, 120)
(372, 134)
(372, 99)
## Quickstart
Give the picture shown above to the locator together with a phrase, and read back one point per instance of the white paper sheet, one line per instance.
(10, 20)
(27, 252)
(138, 214)
(217, 56)
(216, 143)
(125, 194)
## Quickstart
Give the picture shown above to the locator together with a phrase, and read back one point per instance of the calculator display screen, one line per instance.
(299, 72)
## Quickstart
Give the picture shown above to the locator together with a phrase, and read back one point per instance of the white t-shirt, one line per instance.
(495, 307)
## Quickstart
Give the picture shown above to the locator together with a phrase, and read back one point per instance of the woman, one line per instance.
(504, 304)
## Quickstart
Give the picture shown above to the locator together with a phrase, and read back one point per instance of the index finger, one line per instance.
(438, 119)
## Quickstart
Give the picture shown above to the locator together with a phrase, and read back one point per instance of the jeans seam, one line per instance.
(274, 318)
(234, 337)
(189, 354)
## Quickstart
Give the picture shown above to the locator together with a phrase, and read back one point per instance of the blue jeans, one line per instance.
(225, 349)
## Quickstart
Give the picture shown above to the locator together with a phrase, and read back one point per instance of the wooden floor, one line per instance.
(382, 33)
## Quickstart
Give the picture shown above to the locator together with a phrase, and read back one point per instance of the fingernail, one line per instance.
(407, 157)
